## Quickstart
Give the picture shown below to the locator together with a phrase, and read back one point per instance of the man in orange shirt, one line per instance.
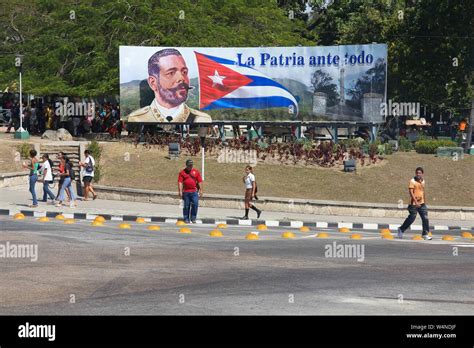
(416, 188)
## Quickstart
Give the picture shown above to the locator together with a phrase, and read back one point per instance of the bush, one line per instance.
(405, 145)
(96, 152)
(430, 146)
(24, 150)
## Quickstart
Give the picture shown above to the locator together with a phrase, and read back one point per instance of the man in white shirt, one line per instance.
(88, 174)
(47, 172)
(250, 192)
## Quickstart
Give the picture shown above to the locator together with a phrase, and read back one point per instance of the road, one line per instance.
(88, 270)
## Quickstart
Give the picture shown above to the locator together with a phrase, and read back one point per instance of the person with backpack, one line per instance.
(87, 175)
(47, 172)
(33, 166)
(189, 190)
(250, 192)
(68, 176)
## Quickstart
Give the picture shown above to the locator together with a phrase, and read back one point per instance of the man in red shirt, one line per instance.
(189, 190)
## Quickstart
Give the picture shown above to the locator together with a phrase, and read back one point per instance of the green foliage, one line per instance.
(24, 150)
(421, 45)
(430, 146)
(352, 143)
(79, 57)
(405, 145)
(96, 152)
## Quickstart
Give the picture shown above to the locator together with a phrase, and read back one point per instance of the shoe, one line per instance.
(58, 205)
(186, 221)
(400, 234)
(244, 218)
(95, 197)
(193, 221)
(33, 206)
(259, 212)
(426, 237)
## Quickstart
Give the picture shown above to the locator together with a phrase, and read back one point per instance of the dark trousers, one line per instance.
(191, 202)
(413, 210)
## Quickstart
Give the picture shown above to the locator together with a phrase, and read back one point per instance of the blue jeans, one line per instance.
(413, 210)
(191, 200)
(66, 184)
(47, 191)
(33, 180)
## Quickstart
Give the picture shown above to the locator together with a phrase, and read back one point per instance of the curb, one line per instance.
(233, 222)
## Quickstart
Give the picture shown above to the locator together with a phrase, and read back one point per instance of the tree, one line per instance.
(322, 82)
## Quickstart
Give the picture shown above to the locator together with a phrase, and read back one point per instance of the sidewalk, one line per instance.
(16, 199)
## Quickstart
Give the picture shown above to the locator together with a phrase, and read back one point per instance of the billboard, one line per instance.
(205, 84)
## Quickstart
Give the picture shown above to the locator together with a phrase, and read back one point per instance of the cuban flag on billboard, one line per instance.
(225, 84)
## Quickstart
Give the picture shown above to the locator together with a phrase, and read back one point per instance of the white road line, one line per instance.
(296, 224)
(370, 226)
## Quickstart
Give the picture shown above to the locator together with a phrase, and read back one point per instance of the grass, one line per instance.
(448, 182)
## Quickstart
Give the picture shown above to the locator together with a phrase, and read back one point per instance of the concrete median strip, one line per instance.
(304, 226)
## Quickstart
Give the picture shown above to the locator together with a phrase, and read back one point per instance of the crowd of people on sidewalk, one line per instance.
(39, 117)
(44, 171)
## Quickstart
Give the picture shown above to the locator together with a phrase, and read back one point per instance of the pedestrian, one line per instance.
(250, 192)
(61, 169)
(68, 176)
(87, 175)
(47, 171)
(189, 190)
(417, 204)
(33, 166)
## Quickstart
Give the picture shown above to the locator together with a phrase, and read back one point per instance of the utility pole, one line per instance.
(20, 133)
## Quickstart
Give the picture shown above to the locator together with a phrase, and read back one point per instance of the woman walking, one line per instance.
(33, 176)
(68, 176)
(47, 171)
(250, 192)
(61, 167)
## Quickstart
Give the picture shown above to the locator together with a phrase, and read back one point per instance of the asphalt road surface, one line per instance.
(87, 270)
